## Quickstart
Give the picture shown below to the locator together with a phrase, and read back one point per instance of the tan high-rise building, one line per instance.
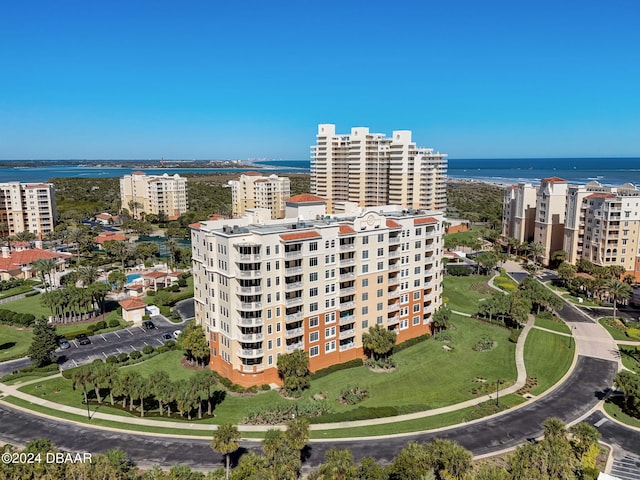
(252, 190)
(519, 211)
(144, 194)
(312, 282)
(370, 169)
(27, 207)
(549, 220)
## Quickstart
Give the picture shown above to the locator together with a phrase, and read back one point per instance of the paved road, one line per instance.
(576, 397)
(186, 308)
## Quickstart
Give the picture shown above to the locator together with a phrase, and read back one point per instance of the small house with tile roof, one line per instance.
(19, 263)
(133, 310)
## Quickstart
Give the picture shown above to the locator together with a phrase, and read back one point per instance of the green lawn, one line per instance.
(547, 357)
(617, 331)
(14, 342)
(464, 293)
(556, 326)
(16, 290)
(505, 282)
(462, 237)
(612, 408)
(435, 388)
(630, 357)
(28, 305)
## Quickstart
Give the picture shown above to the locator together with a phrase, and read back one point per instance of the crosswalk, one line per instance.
(626, 468)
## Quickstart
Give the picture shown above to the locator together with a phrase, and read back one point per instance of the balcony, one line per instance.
(246, 290)
(292, 302)
(250, 322)
(290, 287)
(292, 271)
(393, 280)
(294, 346)
(394, 239)
(347, 333)
(249, 258)
(394, 253)
(293, 255)
(347, 275)
(294, 332)
(393, 307)
(393, 293)
(347, 305)
(347, 319)
(250, 306)
(347, 290)
(250, 273)
(345, 247)
(348, 261)
(250, 352)
(347, 346)
(251, 337)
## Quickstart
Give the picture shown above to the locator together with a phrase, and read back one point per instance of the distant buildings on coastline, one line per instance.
(597, 223)
(370, 169)
(165, 194)
(254, 190)
(27, 207)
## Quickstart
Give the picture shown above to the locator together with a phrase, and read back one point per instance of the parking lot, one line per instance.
(104, 345)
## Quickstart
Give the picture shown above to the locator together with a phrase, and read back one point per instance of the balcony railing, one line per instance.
(294, 332)
(249, 289)
(251, 352)
(292, 302)
(250, 322)
(347, 305)
(250, 273)
(289, 287)
(348, 261)
(345, 247)
(251, 337)
(294, 317)
(393, 307)
(347, 290)
(293, 254)
(292, 270)
(250, 306)
(344, 276)
(347, 333)
(347, 319)
(294, 346)
(347, 346)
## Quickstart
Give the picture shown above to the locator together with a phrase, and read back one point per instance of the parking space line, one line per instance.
(118, 350)
(116, 334)
(130, 332)
(103, 337)
(74, 362)
(132, 347)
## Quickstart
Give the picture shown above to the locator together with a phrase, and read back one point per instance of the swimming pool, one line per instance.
(132, 276)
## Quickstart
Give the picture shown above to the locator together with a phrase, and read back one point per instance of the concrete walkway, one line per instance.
(12, 390)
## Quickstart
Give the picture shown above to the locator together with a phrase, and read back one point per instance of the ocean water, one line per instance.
(608, 171)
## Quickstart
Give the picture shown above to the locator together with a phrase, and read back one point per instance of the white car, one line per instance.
(176, 334)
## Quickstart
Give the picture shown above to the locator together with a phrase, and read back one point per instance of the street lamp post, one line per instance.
(498, 393)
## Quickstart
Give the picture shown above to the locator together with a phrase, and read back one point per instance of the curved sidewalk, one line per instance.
(12, 390)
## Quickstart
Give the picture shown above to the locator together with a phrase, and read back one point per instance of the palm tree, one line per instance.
(226, 440)
(81, 377)
(379, 341)
(535, 250)
(87, 274)
(298, 432)
(554, 428)
(44, 266)
(617, 291)
(134, 206)
(159, 382)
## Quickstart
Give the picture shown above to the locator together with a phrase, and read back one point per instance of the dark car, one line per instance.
(167, 336)
(148, 325)
(82, 339)
(63, 343)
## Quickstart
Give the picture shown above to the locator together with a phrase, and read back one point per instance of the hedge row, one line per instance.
(9, 317)
(356, 362)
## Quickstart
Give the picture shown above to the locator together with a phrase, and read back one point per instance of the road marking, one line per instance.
(130, 332)
(103, 337)
(118, 350)
(600, 422)
(116, 334)
(74, 362)
(104, 355)
(132, 347)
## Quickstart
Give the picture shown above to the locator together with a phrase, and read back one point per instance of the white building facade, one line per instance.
(154, 194)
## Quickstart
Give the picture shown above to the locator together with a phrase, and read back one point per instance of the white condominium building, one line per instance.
(27, 207)
(370, 169)
(519, 211)
(144, 194)
(252, 190)
(314, 282)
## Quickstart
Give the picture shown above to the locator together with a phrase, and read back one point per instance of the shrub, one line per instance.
(352, 395)
(546, 315)
(135, 354)
(113, 322)
(356, 362)
(633, 333)
(458, 270)
(484, 344)
(515, 334)
(182, 282)
(443, 336)
(147, 349)
(31, 294)
(123, 357)
(252, 389)
(146, 316)
(283, 412)
(151, 293)
(170, 344)
(162, 349)
(265, 387)
(387, 363)
(411, 342)
(112, 359)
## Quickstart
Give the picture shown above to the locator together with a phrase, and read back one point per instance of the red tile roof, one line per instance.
(154, 274)
(194, 225)
(289, 237)
(252, 174)
(105, 216)
(345, 230)
(132, 304)
(393, 224)
(36, 185)
(585, 275)
(103, 237)
(554, 180)
(137, 173)
(304, 198)
(27, 257)
(602, 195)
(422, 221)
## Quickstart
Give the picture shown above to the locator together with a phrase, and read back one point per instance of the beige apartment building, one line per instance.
(519, 211)
(370, 169)
(549, 220)
(314, 282)
(252, 190)
(144, 194)
(29, 207)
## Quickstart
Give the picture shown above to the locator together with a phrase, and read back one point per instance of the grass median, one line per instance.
(547, 357)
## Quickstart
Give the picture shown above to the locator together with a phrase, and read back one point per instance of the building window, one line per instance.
(365, 296)
(330, 346)
(330, 317)
(269, 344)
(404, 324)
(313, 292)
(416, 308)
(313, 277)
(365, 324)
(314, 351)
(314, 337)
(379, 320)
(365, 310)
(313, 307)
(365, 268)
(313, 262)
(380, 279)
(365, 254)
(415, 320)
(313, 322)
(330, 332)
(313, 246)
(365, 240)
(365, 282)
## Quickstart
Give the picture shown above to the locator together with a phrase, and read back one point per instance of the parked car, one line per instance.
(63, 343)
(167, 336)
(176, 334)
(148, 325)
(82, 339)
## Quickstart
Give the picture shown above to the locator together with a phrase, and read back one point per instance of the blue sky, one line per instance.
(252, 79)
